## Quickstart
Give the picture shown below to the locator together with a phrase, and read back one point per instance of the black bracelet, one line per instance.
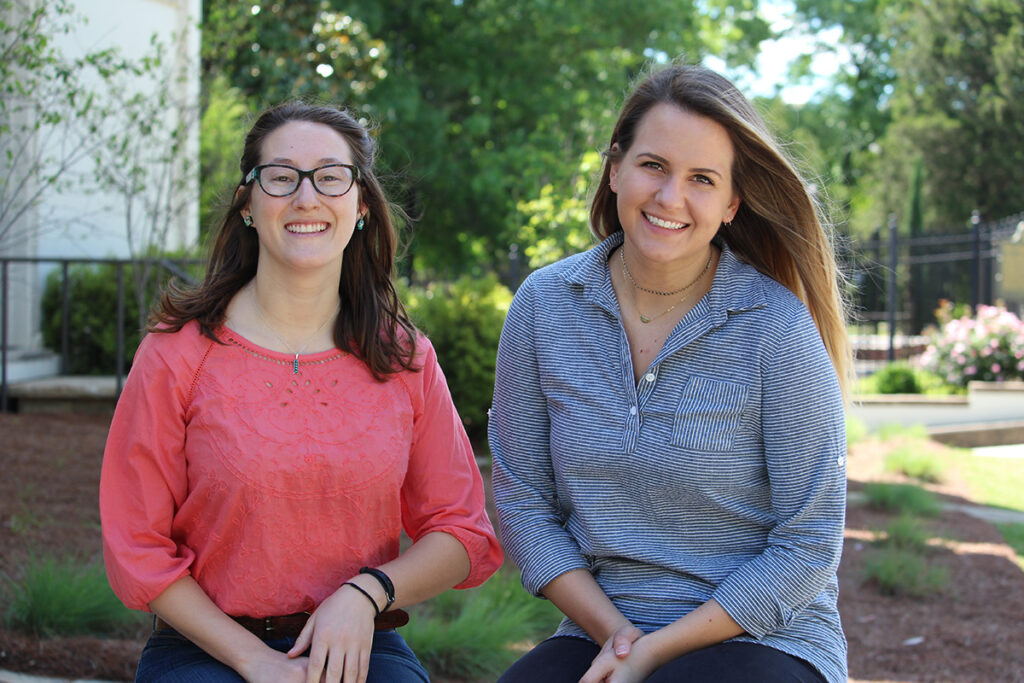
(385, 582)
(368, 597)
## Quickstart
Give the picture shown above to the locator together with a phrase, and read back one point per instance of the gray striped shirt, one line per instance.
(720, 474)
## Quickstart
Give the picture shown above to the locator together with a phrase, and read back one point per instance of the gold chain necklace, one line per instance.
(646, 319)
(295, 361)
(629, 276)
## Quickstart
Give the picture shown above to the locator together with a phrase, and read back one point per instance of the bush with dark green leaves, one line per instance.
(897, 378)
(92, 315)
(463, 320)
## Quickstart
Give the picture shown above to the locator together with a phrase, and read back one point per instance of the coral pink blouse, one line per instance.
(271, 488)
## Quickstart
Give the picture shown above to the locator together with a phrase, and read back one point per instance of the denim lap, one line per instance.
(169, 657)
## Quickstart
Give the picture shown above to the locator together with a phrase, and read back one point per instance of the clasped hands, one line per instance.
(622, 659)
(339, 636)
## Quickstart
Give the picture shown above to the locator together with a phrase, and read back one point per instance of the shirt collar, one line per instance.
(738, 286)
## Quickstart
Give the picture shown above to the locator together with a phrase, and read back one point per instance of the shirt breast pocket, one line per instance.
(709, 414)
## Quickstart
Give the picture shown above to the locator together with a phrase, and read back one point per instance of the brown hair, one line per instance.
(777, 228)
(372, 323)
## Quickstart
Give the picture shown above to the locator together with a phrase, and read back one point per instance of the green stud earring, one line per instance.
(247, 220)
(360, 224)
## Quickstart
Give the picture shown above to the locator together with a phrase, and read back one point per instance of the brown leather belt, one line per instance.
(290, 625)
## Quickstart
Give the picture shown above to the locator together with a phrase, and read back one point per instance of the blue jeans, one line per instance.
(170, 657)
(564, 659)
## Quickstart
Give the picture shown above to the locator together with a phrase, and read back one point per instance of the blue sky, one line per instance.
(776, 56)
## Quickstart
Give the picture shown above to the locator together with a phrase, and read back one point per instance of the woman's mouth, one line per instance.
(662, 223)
(305, 228)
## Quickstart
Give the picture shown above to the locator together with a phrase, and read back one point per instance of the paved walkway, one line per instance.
(992, 515)
(11, 677)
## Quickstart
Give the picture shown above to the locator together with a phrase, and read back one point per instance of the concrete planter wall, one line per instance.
(991, 413)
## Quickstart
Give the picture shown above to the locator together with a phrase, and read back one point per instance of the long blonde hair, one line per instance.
(778, 228)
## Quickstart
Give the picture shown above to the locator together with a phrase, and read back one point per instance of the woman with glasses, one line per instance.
(282, 423)
(667, 426)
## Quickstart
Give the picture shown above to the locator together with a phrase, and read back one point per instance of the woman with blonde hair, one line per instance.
(282, 424)
(668, 420)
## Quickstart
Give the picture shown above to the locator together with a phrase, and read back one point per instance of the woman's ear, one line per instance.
(244, 210)
(613, 169)
(734, 207)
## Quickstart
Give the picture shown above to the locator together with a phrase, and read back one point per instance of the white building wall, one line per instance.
(83, 222)
(92, 223)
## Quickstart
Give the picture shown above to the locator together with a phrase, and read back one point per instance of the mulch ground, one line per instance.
(971, 631)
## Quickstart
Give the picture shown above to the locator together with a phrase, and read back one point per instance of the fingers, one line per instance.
(317, 659)
(357, 667)
(599, 671)
(622, 641)
(303, 641)
(336, 666)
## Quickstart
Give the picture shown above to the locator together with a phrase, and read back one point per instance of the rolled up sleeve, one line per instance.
(805, 451)
(443, 490)
(143, 479)
(530, 519)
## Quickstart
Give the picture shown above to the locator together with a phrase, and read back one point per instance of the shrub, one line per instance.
(463, 320)
(92, 315)
(896, 378)
(92, 318)
(913, 460)
(905, 532)
(988, 346)
(856, 430)
(904, 573)
(895, 430)
(475, 633)
(63, 597)
(901, 498)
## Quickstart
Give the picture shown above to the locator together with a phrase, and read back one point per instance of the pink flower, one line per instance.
(970, 370)
(996, 367)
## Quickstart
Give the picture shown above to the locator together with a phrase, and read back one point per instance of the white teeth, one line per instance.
(661, 223)
(305, 227)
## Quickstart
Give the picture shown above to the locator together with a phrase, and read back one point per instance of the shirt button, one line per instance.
(632, 410)
(839, 460)
(649, 377)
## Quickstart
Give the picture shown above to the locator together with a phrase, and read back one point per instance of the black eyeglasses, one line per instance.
(278, 180)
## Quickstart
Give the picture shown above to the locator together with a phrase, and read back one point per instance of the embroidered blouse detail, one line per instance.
(270, 488)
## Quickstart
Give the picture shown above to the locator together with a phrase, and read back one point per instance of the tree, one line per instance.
(483, 106)
(148, 155)
(45, 107)
(940, 81)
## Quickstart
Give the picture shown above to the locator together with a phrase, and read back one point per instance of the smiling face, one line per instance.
(674, 187)
(305, 230)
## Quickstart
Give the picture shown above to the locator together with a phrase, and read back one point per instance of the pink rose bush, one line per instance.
(987, 346)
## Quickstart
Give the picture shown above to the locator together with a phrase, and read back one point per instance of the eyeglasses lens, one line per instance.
(281, 181)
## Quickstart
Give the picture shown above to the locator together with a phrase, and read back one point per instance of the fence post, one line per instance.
(975, 259)
(514, 272)
(65, 318)
(3, 339)
(119, 344)
(894, 262)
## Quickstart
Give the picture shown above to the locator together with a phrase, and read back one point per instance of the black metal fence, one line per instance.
(168, 268)
(898, 281)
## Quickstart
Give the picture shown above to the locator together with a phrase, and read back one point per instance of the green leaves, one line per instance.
(480, 104)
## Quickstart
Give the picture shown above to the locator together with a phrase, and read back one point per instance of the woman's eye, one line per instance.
(703, 179)
(652, 164)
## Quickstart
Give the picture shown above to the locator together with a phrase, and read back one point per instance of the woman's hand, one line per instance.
(276, 667)
(339, 635)
(621, 641)
(622, 659)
